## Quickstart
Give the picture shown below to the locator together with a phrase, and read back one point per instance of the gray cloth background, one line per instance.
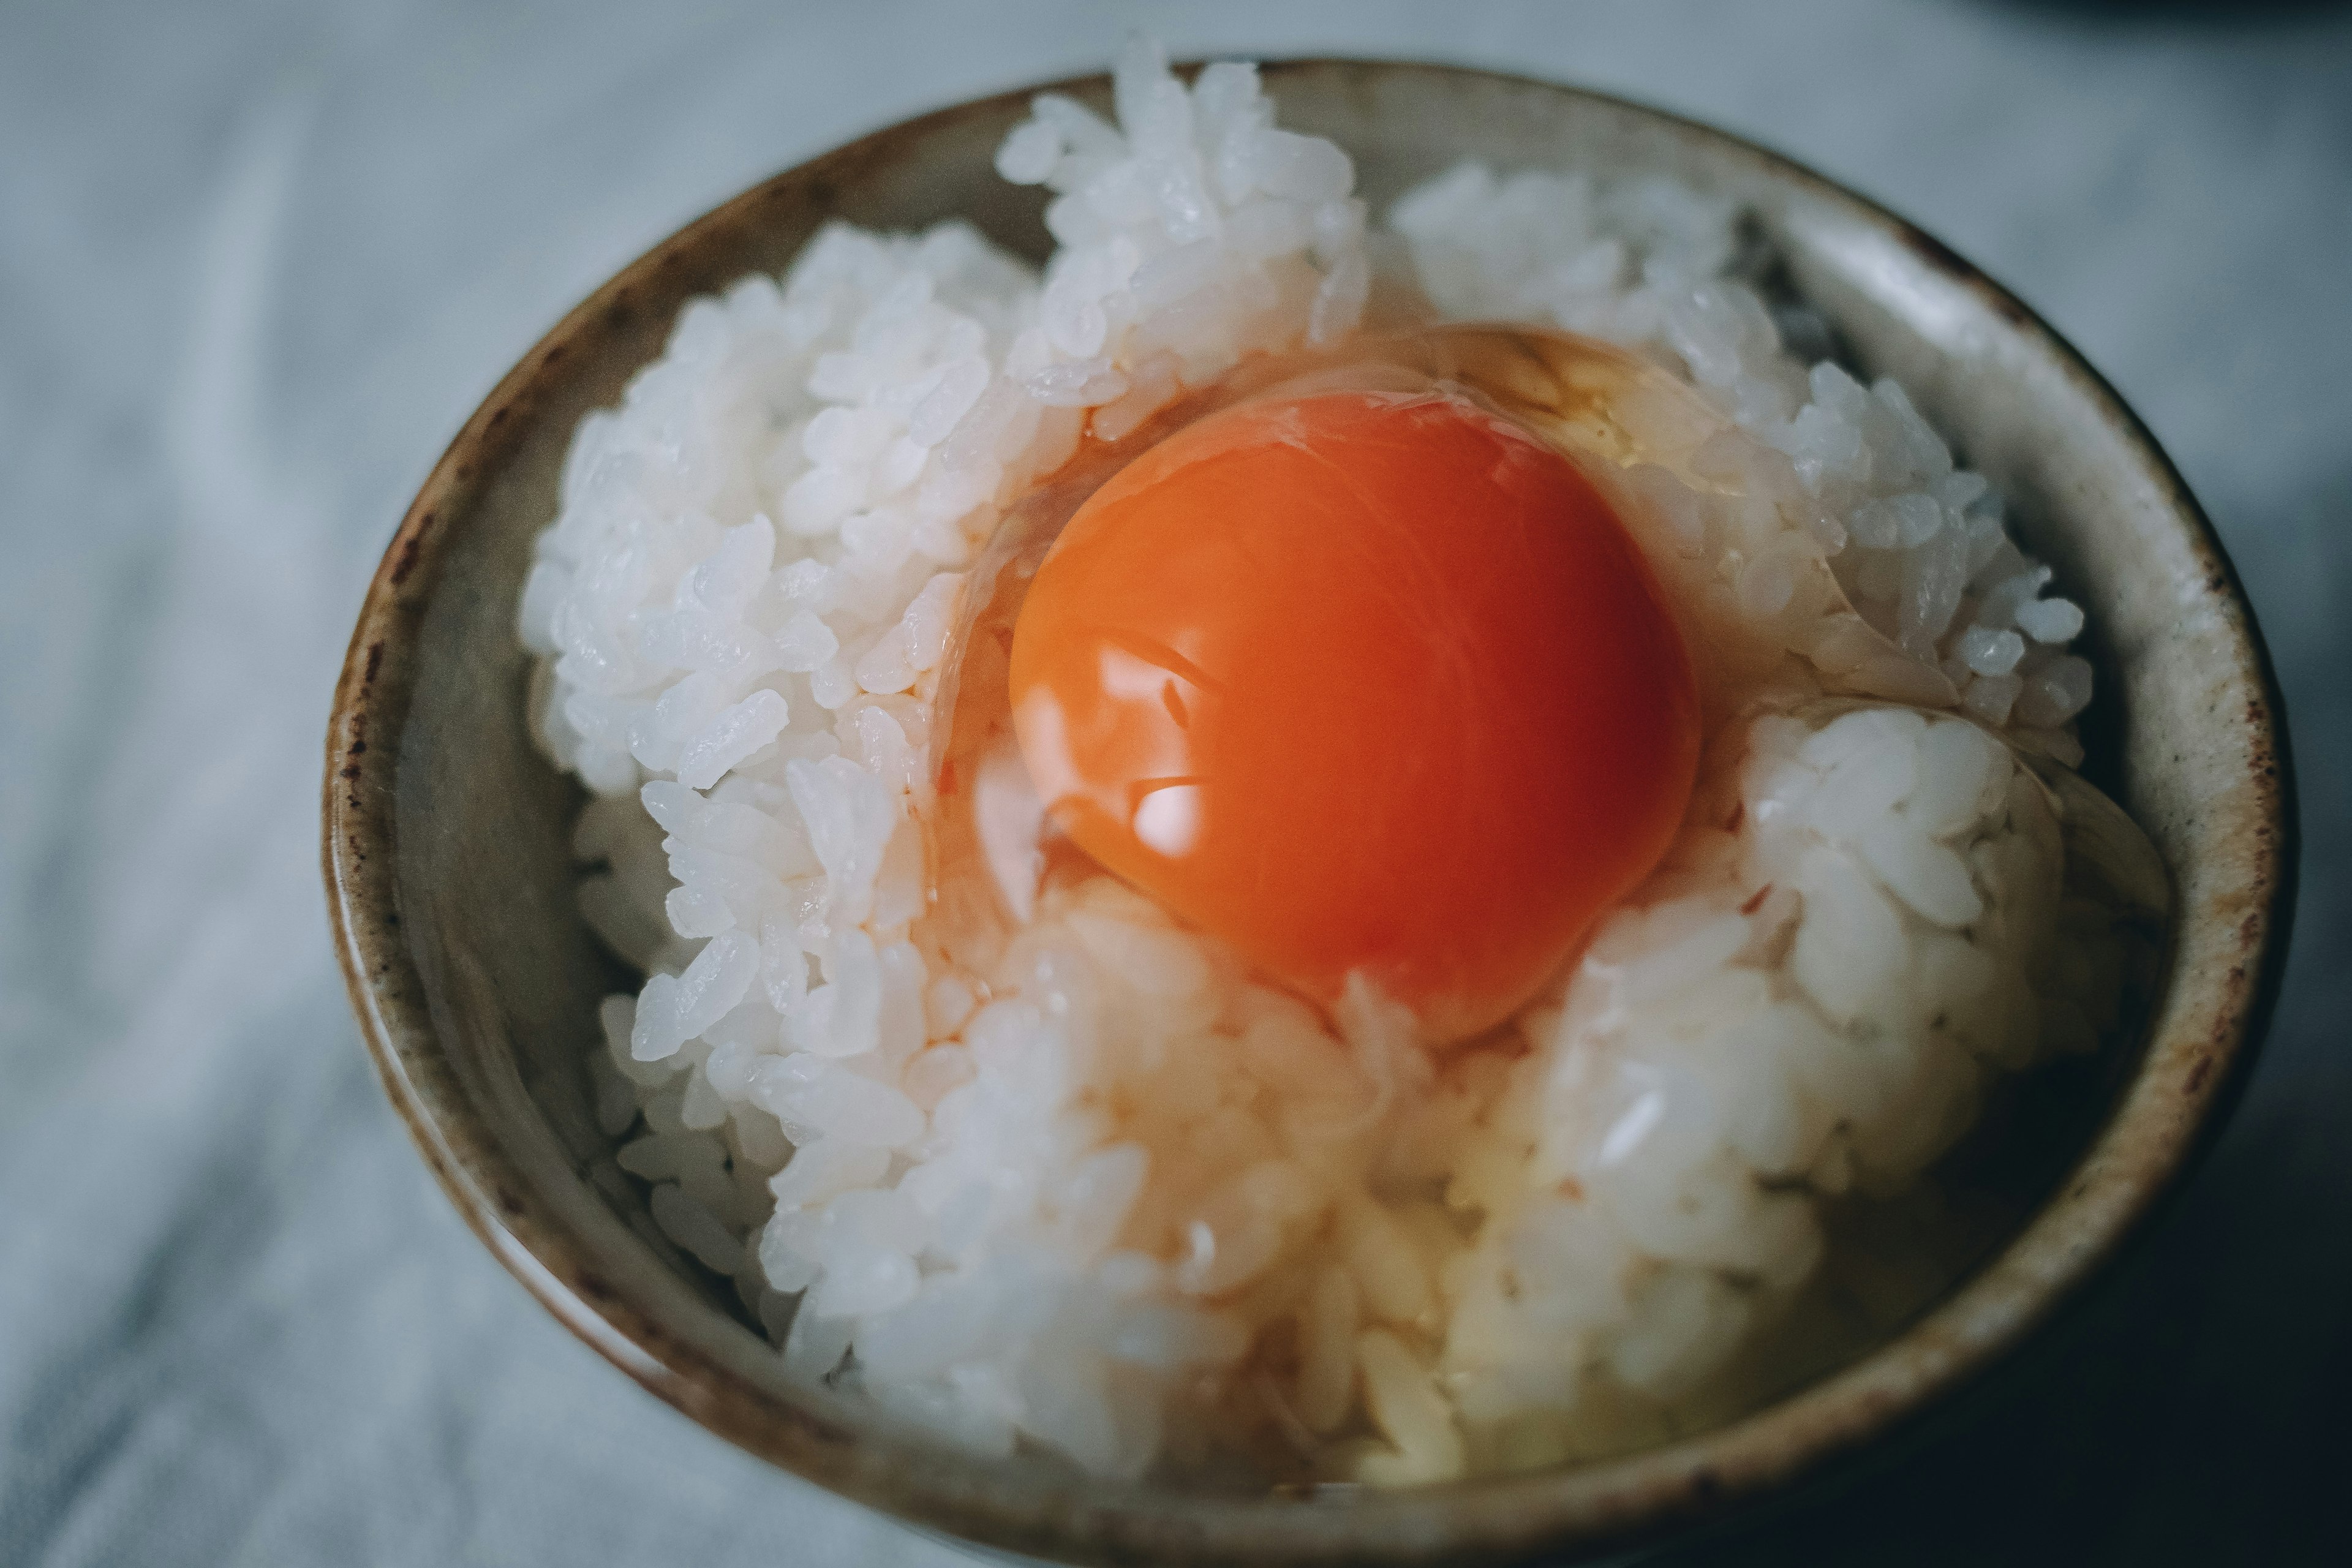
(259, 260)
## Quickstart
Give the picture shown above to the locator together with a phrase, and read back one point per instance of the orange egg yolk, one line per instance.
(1361, 682)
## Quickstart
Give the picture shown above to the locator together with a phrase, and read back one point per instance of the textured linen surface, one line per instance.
(257, 262)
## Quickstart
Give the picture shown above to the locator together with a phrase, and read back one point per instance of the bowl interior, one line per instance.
(452, 882)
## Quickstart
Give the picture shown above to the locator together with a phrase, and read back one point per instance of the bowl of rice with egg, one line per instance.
(1341, 811)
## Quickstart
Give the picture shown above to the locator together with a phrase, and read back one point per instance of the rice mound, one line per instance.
(1099, 1190)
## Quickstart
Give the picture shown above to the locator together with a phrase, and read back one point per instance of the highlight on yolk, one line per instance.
(1361, 681)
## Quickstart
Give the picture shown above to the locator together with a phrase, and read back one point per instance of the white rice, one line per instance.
(1107, 1194)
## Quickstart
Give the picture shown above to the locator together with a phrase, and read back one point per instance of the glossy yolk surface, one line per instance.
(1364, 682)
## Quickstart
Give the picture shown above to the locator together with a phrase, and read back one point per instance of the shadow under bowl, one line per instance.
(450, 883)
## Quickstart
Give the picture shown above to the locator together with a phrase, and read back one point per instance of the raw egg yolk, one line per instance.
(1361, 682)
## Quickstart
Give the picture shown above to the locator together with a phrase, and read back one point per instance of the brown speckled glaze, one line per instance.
(476, 982)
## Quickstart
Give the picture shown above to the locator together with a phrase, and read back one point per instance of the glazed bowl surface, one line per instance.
(475, 980)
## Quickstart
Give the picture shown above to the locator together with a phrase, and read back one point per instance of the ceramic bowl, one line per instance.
(476, 981)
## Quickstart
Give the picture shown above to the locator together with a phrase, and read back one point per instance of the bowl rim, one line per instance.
(2178, 1097)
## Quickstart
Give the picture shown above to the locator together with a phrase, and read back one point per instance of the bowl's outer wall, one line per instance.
(451, 883)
